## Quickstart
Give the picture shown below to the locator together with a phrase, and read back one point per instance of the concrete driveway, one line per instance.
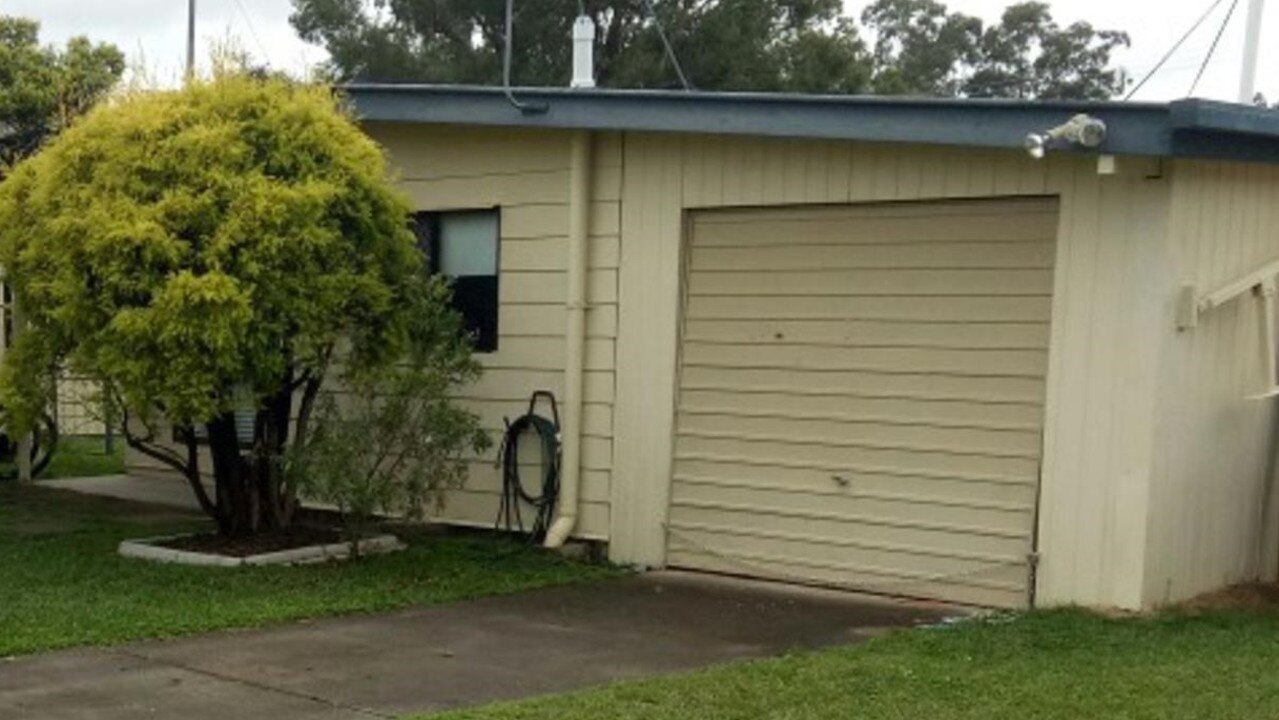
(436, 658)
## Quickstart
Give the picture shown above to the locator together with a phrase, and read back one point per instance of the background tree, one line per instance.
(43, 89)
(917, 47)
(211, 250)
(1026, 55)
(800, 45)
(920, 47)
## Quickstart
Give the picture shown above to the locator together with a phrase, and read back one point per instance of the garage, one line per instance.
(861, 396)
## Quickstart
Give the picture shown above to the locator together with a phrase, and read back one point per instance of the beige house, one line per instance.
(873, 343)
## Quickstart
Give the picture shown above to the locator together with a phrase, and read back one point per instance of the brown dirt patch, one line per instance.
(1249, 596)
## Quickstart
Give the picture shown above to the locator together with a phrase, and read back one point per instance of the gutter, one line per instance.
(580, 160)
(1184, 128)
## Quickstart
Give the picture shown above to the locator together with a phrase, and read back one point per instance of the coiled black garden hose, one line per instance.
(509, 514)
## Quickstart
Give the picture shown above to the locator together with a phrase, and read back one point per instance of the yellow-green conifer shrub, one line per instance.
(216, 248)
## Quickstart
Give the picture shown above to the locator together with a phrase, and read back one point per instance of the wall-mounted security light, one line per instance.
(1083, 130)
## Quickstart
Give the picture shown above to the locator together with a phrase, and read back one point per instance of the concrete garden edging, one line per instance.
(148, 549)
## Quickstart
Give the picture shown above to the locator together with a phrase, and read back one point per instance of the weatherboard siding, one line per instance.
(1213, 505)
(526, 175)
(1154, 471)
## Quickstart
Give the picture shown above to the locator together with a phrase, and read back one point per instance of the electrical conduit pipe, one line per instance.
(579, 208)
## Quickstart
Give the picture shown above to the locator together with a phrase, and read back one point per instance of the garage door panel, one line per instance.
(876, 282)
(870, 307)
(938, 537)
(1009, 209)
(884, 559)
(814, 478)
(861, 395)
(997, 415)
(1014, 443)
(871, 333)
(891, 255)
(1023, 363)
(865, 384)
(1011, 517)
(848, 454)
(852, 229)
(998, 587)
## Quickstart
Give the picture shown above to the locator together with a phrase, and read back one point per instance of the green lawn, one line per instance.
(84, 456)
(1065, 665)
(62, 584)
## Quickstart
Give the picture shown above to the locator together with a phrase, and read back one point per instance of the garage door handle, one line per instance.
(840, 480)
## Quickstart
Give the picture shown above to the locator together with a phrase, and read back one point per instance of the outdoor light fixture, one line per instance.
(1082, 129)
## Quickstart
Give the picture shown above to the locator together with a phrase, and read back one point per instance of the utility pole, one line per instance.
(1251, 46)
(190, 75)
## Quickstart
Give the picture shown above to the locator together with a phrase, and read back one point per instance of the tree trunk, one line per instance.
(251, 494)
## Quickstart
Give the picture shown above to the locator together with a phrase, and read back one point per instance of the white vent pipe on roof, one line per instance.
(583, 52)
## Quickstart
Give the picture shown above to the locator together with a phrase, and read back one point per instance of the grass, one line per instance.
(1051, 665)
(62, 583)
(84, 456)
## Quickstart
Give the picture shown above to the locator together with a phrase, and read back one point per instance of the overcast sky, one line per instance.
(152, 32)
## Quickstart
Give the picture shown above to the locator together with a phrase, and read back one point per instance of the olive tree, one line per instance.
(219, 253)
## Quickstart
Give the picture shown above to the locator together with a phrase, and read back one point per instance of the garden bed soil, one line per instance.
(258, 544)
(1248, 597)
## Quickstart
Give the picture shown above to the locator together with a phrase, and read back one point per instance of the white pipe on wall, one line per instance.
(574, 337)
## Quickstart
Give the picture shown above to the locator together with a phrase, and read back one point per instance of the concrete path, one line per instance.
(155, 491)
(429, 659)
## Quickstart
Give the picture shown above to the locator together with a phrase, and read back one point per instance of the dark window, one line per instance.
(463, 245)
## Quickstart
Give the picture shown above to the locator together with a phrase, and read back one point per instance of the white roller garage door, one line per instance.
(861, 396)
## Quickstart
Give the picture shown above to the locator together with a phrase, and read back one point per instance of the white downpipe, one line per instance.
(579, 204)
(1251, 47)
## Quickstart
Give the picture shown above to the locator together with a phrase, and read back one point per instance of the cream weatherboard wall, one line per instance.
(1213, 505)
(1098, 406)
(1154, 469)
(526, 175)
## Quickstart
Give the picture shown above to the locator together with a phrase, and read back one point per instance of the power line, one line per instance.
(1176, 46)
(1213, 49)
(524, 107)
(666, 43)
(266, 57)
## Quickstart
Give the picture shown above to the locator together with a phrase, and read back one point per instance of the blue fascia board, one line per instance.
(1191, 128)
(1212, 116)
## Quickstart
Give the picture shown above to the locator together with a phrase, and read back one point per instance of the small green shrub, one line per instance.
(389, 440)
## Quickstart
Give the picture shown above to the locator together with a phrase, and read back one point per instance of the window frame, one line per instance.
(430, 245)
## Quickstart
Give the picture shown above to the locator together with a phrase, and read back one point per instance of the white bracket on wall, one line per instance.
(1191, 304)
(1261, 283)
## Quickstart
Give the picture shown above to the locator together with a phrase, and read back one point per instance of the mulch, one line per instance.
(1248, 596)
(292, 538)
